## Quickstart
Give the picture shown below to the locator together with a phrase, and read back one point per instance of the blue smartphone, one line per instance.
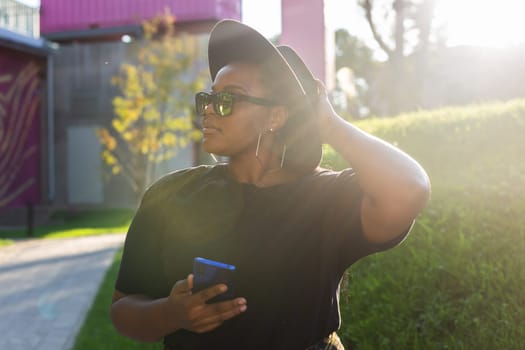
(207, 273)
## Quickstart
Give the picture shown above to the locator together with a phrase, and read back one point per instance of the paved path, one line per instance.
(47, 286)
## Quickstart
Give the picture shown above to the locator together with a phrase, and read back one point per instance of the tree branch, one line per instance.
(367, 6)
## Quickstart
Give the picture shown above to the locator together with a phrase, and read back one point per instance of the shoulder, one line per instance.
(182, 175)
(176, 180)
(326, 183)
(338, 187)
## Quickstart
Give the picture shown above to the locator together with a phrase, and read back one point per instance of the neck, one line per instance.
(264, 170)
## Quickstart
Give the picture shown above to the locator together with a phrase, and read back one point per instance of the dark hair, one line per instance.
(300, 133)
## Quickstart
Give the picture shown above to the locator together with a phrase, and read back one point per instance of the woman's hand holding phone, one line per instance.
(190, 311)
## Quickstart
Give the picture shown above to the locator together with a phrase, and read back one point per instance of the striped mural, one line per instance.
(20, 86)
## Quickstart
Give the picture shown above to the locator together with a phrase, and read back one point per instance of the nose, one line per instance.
(207, 113)
(208, 109)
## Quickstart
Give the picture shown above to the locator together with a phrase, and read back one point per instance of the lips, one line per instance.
(210, 129)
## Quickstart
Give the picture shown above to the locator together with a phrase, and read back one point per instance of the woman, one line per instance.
(289, 227)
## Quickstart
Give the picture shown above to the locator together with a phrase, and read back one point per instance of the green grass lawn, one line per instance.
(98, 331)
(4, 242)
(458, 280)
(75, 224)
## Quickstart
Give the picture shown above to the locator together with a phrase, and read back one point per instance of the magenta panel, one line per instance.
(303, 28)
(67, 15)
(20, 95)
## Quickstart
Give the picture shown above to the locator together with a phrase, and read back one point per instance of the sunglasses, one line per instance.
(222, 102)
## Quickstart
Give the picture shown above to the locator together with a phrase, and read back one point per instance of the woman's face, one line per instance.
(237, 133)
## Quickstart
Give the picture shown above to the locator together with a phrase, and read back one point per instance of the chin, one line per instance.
(210, 147)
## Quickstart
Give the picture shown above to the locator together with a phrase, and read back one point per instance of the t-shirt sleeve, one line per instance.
(141, 270)
(343, 222)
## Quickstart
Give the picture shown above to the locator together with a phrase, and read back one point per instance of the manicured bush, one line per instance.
(458, 280)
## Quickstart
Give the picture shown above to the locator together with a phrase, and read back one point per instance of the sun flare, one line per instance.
(490, 23)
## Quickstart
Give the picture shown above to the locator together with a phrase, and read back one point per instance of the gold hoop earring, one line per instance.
(257, 150)
(283, 155)
(258, 144)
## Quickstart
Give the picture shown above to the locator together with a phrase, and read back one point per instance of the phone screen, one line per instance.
(207, 273)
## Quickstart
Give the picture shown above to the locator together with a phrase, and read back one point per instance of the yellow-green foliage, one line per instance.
(457, 282)
(154, 108)
(456, 144)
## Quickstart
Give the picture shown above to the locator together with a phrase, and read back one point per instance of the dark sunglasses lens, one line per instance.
(223, 104)
(201, 101)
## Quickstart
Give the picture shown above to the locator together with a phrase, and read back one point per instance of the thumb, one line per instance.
(184, 286)
(189, 280)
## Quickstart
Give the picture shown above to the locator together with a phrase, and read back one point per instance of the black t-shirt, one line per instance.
(291, 244)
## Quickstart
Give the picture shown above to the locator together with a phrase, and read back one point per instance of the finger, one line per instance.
(220, 312)
(229, 310)
(207, 328)
(208, 293)
(190, 281)
(321, 89)
(214, 321)
(183, 286)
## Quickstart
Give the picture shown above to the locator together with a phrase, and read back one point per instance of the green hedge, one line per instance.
(458, 281)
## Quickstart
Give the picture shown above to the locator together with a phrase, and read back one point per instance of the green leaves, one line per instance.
(154, 107)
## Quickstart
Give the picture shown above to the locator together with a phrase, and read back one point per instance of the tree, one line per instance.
(406, 25)
(405, 28)
(154, 111)
(352, 52)
(354, 65)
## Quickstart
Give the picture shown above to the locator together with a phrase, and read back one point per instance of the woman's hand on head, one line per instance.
(190, 311)
(327, 117)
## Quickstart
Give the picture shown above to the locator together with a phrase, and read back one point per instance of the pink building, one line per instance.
(90, 53)
(63, 20)
(55, 161)
(24, 122)
(304, 28)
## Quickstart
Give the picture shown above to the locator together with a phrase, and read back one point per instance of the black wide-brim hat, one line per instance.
(231, 41)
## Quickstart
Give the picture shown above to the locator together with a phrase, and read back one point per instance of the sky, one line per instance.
(264, 15)
(490, 23)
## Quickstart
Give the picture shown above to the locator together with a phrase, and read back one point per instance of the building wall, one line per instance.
(83, 103)
(19, 18)
(67, 15)
(304, 29)
(21, 84)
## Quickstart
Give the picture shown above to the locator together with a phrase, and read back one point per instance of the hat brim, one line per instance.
(231, 41)
(303, 74)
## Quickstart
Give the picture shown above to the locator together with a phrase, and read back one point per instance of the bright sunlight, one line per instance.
(489, 23)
